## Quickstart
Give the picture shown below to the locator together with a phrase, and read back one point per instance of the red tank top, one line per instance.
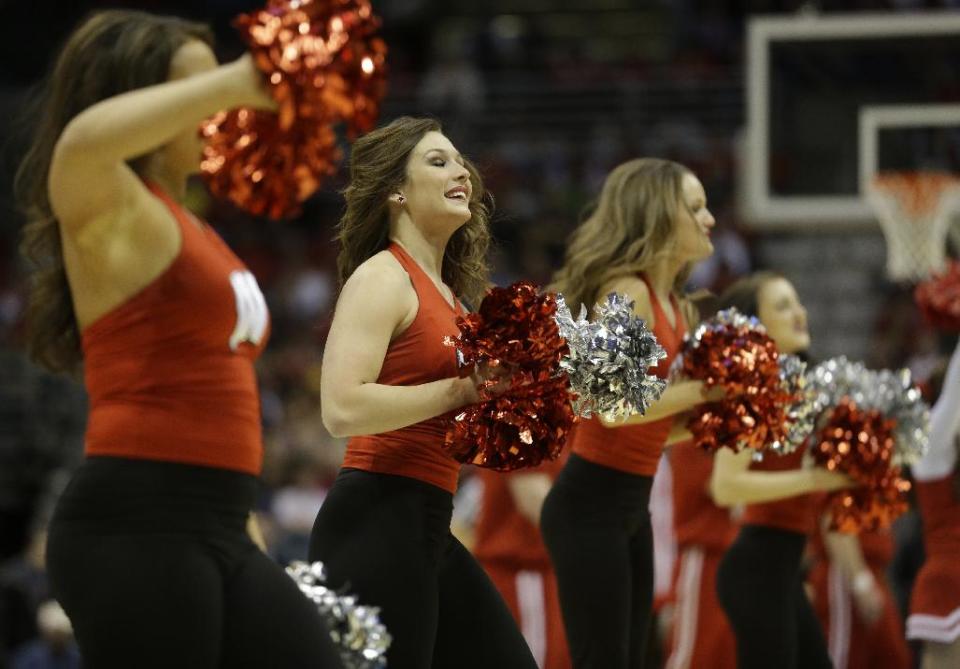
(697, 520)
(940, 512)
(169, 372)
(795, 514)
(635, 449)
(418, 355)
(503, 535)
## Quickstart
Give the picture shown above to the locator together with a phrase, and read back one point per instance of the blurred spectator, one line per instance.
(296, 501)
(23, 588)
(55, 647)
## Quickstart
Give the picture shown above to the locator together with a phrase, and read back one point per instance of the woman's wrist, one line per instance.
(245, 86)
(465, 391)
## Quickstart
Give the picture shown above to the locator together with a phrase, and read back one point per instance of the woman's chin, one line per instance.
(459, 215)
(798, 344)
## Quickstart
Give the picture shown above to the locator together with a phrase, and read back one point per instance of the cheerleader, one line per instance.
(650, 225)
(413, 243)
(853, 601)
(510, 549)
(701, 635)
(148, 549)
(935, 603)
(759, 581)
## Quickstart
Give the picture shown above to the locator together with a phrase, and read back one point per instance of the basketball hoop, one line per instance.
(915, 210)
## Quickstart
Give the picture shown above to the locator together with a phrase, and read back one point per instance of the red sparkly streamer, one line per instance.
(744, 361)
(860, 444)
(515, 329)
(939, 299)
(323, 67)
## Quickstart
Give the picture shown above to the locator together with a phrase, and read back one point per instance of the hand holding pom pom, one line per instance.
(860, 444)
(873, 423)
(609, 359)
(251, 162)
(523, 420)
(322, 66)
(893, 394)
(734, 352)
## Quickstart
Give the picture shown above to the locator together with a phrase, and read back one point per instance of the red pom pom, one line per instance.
(514, 328)
(250, 161)
(860, 444)
(744, 361)
(323, 67)
(939, 299)
(520, 428)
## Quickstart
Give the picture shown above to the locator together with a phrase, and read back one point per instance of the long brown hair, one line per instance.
(378, 166)
(744, 293)
(110, 53)
(631, 228)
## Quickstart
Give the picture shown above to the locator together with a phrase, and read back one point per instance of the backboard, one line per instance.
(808, 79)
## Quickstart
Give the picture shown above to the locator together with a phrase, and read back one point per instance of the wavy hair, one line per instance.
(629, 230)
(378, 167)
(110, 53)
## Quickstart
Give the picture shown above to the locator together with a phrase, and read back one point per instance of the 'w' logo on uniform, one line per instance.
(252, 315)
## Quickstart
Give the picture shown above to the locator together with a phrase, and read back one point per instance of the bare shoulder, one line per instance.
(85, 194)
(380, 282)
(635, 289)
(383, 269)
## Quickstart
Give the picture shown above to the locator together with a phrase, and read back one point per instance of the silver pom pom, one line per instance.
(609, 358)
(892, 393)
(356, 630)
(724, 319)
(801, 414)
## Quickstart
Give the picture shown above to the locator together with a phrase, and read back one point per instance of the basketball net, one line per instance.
(915, 210)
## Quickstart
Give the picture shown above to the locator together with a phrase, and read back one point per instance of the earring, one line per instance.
(400, 198)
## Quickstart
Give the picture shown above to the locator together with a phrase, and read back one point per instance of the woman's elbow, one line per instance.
(75, 140)
(336, 422)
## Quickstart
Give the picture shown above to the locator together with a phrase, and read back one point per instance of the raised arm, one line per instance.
(377, 302)
(89, 177)
(733, 482)
(941, 457)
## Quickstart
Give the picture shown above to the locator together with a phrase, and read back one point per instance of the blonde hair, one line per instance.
(630, 230)
(378, 166)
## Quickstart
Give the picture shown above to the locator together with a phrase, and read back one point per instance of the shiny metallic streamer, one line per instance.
(325, 67)
(802, 411)
(356, 630)
(514, 329)
(734, 352)
(892, 393)
(609, 359)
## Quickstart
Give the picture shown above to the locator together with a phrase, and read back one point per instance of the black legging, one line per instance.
(387, 539)
(153, 565)
(596, 525)
(761, 590)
